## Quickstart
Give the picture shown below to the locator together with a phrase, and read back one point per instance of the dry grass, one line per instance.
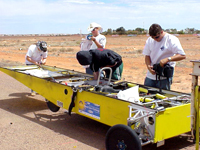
(62, 51)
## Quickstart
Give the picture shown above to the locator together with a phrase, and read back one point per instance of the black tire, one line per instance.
(52, 106)
(122, 137)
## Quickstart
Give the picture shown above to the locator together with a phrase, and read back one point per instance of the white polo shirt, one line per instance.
(35, 54)
(167, 47)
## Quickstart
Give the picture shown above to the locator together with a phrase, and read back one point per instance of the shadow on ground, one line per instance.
(75, 126)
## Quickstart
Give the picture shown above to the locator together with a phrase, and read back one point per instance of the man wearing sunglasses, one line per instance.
(36, 55)
(98, 40)
(161, 48)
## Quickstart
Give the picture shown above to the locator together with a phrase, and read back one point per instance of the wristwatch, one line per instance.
(169, 58)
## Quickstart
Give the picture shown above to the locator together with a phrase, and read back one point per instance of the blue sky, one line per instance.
(73, 16)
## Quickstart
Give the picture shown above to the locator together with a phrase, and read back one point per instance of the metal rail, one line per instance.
(101, 70)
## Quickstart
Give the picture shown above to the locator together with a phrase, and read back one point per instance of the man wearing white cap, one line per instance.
(99, 40)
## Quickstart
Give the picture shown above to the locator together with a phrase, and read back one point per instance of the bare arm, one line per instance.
(96, 75)
(32, 61)
(148, 64)
(43, 61)
(176, 57)
(111, 65)
(96, 42)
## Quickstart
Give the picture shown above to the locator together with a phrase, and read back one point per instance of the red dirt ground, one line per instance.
(62, 52)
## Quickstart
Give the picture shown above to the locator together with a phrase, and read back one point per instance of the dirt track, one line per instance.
(27, 123)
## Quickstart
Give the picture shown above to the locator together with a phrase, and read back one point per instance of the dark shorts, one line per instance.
(156, 83)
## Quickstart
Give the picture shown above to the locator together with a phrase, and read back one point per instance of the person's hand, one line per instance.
(38, 64)
(150, 68)
(93, 38)
(163, 62)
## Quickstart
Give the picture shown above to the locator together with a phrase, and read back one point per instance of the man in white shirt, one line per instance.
(37, 54)
(99, 40)
(96, 40)
(162, 48)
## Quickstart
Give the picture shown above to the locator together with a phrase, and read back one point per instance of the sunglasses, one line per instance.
(156, 37)
(94, 29)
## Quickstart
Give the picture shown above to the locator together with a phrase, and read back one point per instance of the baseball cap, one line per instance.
(42, 45)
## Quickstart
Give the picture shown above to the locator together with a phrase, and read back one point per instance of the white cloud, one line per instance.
(69, 16)
(78, 1)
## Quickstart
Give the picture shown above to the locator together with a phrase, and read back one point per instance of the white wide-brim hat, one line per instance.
(94, 25)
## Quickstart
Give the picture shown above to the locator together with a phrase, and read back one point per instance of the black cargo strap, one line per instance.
(72, 104)
(158, 79)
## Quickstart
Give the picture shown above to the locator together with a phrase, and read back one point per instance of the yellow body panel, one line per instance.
(109, 111)
(172, 122)
(52, 91)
